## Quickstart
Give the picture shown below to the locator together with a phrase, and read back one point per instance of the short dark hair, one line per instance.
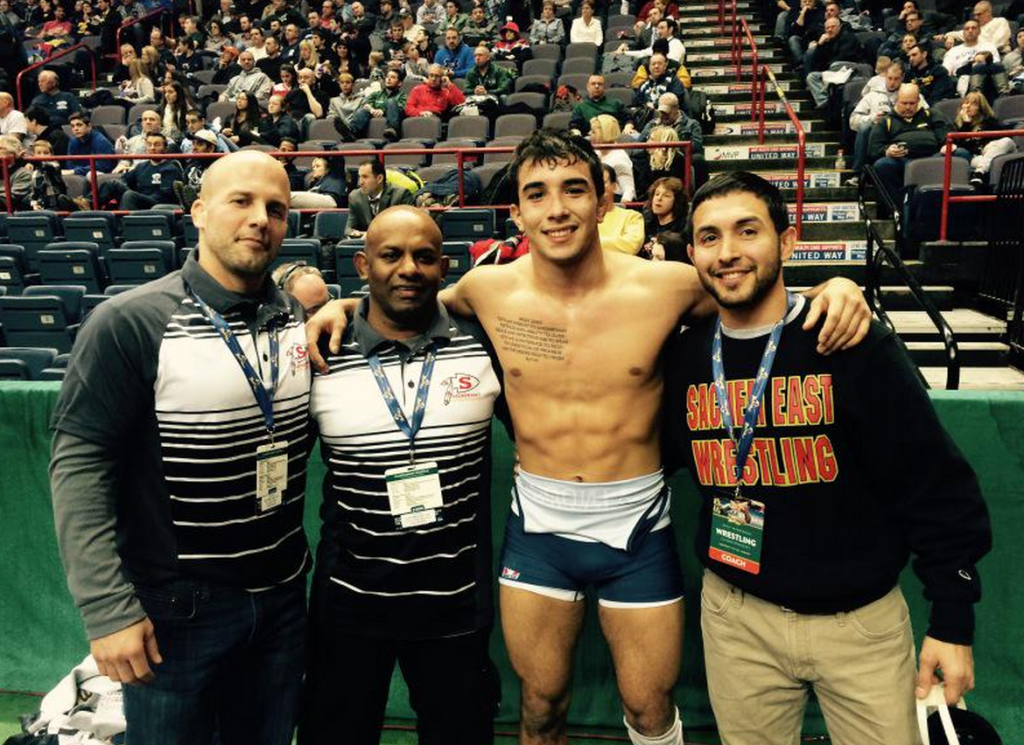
(674, 245)
(83, 115)
(38, 114)
(747, 183)
(672, 25)
(161, 135)
(610, 171)
(376, 167)
(554, 146)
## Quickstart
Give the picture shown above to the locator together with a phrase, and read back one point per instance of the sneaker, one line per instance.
(342, 128)
(853, 181)
(977, 180)
(390, 134)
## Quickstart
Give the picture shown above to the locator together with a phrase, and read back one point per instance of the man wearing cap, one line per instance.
(410, 29)
(227, 66)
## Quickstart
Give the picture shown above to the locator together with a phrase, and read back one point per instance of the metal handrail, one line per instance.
(877, 253)
(460, 155)
(50, 59)
(132, 22)
(801, 138)
(947, 173)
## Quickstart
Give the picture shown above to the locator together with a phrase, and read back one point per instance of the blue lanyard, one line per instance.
(746, 438)
(409, 429)
(264, 398)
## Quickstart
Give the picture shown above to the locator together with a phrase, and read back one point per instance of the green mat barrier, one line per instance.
(43, 637)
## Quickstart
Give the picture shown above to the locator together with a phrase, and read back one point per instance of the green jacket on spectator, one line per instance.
(379, 99)
(497, 80)
(588, 108)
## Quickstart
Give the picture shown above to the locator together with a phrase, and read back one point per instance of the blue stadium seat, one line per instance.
(147, 225)
(190, 232)
(12, 279)
(97, 227)
(91, 300)
(33, 231)
(118, 289)
(344, 267)
(71, 263)
(468, 224)
(303, 250)
(69, 295)
(136, 262)
(25, 363)
(57, 370)
(330, 226)
(294, 224)
(34, 320)
(459, 261)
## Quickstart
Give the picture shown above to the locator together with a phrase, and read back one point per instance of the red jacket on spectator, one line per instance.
(671, 11)
(440, 100)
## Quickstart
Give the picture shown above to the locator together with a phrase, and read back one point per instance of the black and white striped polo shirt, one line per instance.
(429, 581)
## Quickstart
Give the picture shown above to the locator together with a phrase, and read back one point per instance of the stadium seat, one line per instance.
(34, 231)
(413, 160)
(459, 261)
(345, 268)
(322, 129)
(618, 79)
(305, 162)
(468, 224)
(923, 183)
(189, 231)
(576, 80)
(49, 320)
(519, 125)
(136, 262)
(222, 110)
(103, 115)
(25, 363)
(547, 51)
(12, 279)
(452, 158)
(625, 95)
(203, 77)
(948, 108)
(330, 226)
(72, 262)
(545, 67)
(525, 80)
(998, 163)
(147, 225)
(302, 250)
(473, 127)
(557, 120)
(421, 128)
(584, 49)
(294, 224)
(90, 301)
(487, 172)
(536, 101)
(579, 65)
(435, 171)
(507, 141)
(135, 112)
(375, 130)
(1009, 109)
(96, 227)
(75, 185)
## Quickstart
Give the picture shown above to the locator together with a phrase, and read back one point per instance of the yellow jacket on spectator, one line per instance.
(622, 230)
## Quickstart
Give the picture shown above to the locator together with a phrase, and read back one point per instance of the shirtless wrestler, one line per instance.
(579, 333)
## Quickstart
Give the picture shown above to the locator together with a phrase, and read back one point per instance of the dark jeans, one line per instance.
(453, 687)
(134, 200)
(233, 663)
(360, 121)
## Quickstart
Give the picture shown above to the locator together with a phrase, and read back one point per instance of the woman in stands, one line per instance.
(288, 76)
(346, 61)
(307, 56)
(215, 38)
(666, 210)
(176, 104)
(976, 115)
(604, 129)
(586, 27)
(139, 87)
(243, 126)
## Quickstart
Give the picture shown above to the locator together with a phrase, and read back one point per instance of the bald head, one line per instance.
(310, 290)
(225, 172)
(402, 217)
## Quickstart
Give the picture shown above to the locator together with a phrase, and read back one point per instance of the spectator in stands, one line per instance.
(644, 33)
(151, 181)
(307, 101)
(37, 122)
(805, 27)
(203, 142)
(12, 121)
(20, 174)
(669, 246)
(362, 21)
(120, 73)
(659, 81)
(487, 78)
(877, 101)
(55, 102)
(342, 108)
(595, 104)
(87, 141)
(671, 114)
(195, 122)
(837, 44)
(931, 79)
(478, 29)
(913, 24)
(242, 127)
(910, 132)
(429, 15)
(227, 66)
(273, 65)
(666, 30)
(395, 43)
(163, 55)
(547, 29)
(388, 102)
(995, 31)
(604, 130)
(55, 33)
(136, 145)
(586, 28)
(453, 18)
(187, 60)
(373, 195)
(959, 59)
(285, 80)
(324, 187)
(308, 57)
(621, 229)
(512, 46)
(177, 103)
(256, 42)
(988, 77)
(436, 97)
(139, 88)
(304, 283)
(976, 115)
(250, 80)
(277, 124)
(216, 39)
(666, 209)
(410, 29)
(455, 57)
(665, 9)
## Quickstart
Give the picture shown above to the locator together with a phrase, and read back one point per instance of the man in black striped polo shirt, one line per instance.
(403, 567)
(178, 476)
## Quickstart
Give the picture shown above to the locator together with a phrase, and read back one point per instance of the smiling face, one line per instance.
(738, 256)
(559, 209)
(241, 223)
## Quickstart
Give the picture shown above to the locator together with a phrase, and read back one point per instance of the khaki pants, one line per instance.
(762, 659)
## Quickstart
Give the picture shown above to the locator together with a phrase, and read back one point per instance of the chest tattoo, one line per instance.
(532, 338)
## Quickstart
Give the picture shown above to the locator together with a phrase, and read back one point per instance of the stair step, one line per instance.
(780, 129)
(978, 378)
(710, 30)
(812, 180)
(717, 41)
(971, 353)
(770, 107)
(828, 212)
(713, 70)
(828, 251)
(897, 297)
(785, 164)
(765, 55)
(725, 89)
(967, 325)
(774, 152)
(717, 99)
(750, 138)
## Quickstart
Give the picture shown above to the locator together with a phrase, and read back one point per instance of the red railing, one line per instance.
(49, 60)
(461, 154)
(947, 174)
(132, 22)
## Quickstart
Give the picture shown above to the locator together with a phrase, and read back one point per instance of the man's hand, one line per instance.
(847, 315)
(896, 151)
(956, 661)
(125, 655)
(480, 90)
(330, 320)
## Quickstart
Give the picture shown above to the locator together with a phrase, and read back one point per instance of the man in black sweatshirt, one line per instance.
(813, 504)
(152, 181)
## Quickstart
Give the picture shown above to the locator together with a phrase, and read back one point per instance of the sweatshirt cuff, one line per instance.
(112, 613)
(952, 622)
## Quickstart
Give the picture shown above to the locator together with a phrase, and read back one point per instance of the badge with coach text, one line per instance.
(271, 475)
(737, 531)
(414, 492)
